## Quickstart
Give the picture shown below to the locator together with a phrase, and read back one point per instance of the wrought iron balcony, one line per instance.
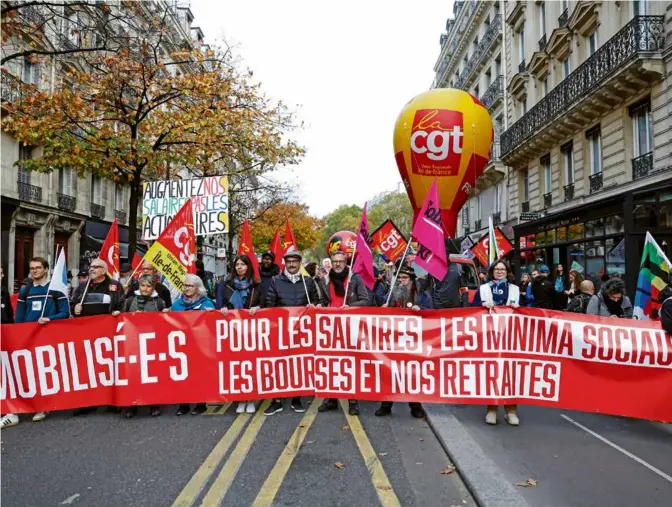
(120, 215)
(494, 93)
(497, 218)
(477, 224)
(481, 49)
(97, 211)
(569, 192)
(595, 182)
(542, 43)
(31, 14)
(563, 19)
(521, 67)
(548, 200)
(11, 88)
(642, 34)
(526, 207)
(66, 202)
(642, 166)
(28, 192)
(467, 230)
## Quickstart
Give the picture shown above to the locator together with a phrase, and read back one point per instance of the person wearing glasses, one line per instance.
(499, 292)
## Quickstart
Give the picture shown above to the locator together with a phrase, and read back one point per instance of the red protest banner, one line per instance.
(388, 241)
(527, 356)
(480, 249)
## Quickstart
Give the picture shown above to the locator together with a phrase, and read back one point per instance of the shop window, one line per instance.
(644, 216)
(614, 225)
(665, 216)
(576, 232)
(615, 248)
(595, 228)
(550, 236)
(540, 238)
(594, 255)
(577, 258)
(561, 234)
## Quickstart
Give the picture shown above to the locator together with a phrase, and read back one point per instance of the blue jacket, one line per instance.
(33, 297)
(200, 304)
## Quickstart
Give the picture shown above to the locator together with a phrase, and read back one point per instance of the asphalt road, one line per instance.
(222, 458)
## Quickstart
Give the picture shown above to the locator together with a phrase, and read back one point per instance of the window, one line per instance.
(498, 198)
(565, 5)
(476, 92)
(523, 107)
(566, 68)
(542, 18)
(96, 189)
(640, 7)
(521, 44)
(526, 185)
(25, 153)
(642, 128)
(498, 67)
(592, 43)
(66, 181)
(544, 87)
(568, 157)
(546, 173)
(118, 197)
(595, 150)
(31, 72)
(70, 25)
(478, 207)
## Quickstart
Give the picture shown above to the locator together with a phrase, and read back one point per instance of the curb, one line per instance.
(663, 426)
(482, 477)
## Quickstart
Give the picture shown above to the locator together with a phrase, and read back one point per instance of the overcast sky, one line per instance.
(350, 65)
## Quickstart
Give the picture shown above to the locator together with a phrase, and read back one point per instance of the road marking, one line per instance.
(275, 478)
(228, 472)
(217, 409)
(386, 495)
(195, 486)
(618, 448)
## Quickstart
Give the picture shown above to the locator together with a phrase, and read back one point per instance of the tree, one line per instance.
(306, 227)
(144, 113)
(396, 207)
(343, 218)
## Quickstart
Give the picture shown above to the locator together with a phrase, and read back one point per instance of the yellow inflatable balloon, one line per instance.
(444, 134)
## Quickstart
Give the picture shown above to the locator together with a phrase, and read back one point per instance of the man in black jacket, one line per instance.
(290, 288)
(333, 287)
(449, 293)
(579, 302)
(267, 270)
(7, 310)
(543, 289)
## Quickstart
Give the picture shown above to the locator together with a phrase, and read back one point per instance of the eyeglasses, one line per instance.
(188, 286)
(499, 269)
(338, 262)
(97, 267)
(404, 277)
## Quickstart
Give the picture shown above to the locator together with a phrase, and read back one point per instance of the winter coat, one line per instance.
(665, 314)
(511, 294)
(446, 293)
(358, 295)
(164, 293)
(138, 303)
(282, 292)
(266, 279)
(379, 294)
(579, 303)
(7, 310)
(543, 292)
(225, 290)
(597, 306)
(180, 305)
(101, 298)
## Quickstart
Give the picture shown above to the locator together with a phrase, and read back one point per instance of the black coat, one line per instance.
(7, 310)
(665, 314)
(446, 293)
(94, 302)
(358, 295)
(544, 293)
(266, 278)
(164, 294)
(225, 290)
(282, 292)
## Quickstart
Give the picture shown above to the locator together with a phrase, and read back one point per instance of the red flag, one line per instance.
(290, 243)
(363, 264)
(109, 252)
(428, 231)
(247, 248)
(276, 248)
(173, 254)
(136, 266)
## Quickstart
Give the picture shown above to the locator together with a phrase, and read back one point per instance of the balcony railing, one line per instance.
(497, 218)
(120, 215)
(526, 207)
(642, 166)
(482, 47)
(595, 182)
(477, 224)
(548, 200)
(563, 19)
(542, 43)
(66, 202)
(522, 66)
(642, 34)
(494, 92)
(97, 211)
(569, 192)
(446, 62)
(11, 88)
(28, 192)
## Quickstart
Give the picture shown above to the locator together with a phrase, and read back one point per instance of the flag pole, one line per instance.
(347, 285)
(394, 280)
(133, 273)
(46, 296)
(303, 279)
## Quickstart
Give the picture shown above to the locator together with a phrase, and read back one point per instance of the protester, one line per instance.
(128, 282)
(207, 278)
(499, 292)
(82, 277)
(194, 297)
(164, 293)
(579, 302)
(99, 295)
(404, 295)
(314, 273)
(543, 289)
(7, 310)
(449, 292)
(560, 284)
(526, 297)
(267, 270)
(380, 288)
(333, 288)
(611, 301)
(575, 280)
(665, 311)
(482, 277)
(290, 288)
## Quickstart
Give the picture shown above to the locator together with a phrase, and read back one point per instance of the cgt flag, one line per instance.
(247, 248)
(174, 252)
(654, 272)
(428, 232)
(363, 263)
(109, 252)
(136, 266)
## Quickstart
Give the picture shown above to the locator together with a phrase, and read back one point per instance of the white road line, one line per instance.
(618, 448)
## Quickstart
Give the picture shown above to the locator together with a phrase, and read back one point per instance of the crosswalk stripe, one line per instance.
(228, 472)
(386, 495)
(275, 478)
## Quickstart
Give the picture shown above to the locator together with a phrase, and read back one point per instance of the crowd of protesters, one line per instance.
(284, 284)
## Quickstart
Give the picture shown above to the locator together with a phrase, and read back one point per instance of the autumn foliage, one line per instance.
(305, 227)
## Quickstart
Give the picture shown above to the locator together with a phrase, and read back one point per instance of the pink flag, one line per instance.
(428, 232)
(364, 259)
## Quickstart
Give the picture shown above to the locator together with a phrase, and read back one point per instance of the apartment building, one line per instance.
(473, 59)
(45, 212)
(589, 135)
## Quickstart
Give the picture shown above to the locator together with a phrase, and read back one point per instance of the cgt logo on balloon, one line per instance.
(436, 142)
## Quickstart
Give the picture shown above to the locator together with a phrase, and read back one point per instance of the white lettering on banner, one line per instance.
(542, 336)
(238, 379)
(297, 334)
(335, 374)
(499, 378)
(366, 365)
(369, 333)
(437, 142)
(250, 335)
(391, 242)
(47, 369)
(464, 334)
(145, 358)
(178, 338)
(412, 377)
(285, 374)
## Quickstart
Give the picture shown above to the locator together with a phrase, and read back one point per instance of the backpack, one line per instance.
(29, 286)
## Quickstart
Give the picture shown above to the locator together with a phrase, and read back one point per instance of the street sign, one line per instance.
(527, 217)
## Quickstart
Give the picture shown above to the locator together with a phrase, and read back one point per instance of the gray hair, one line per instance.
(613, 286)
(98, 259)
(339, 252)
(196, 280)
(151, 280)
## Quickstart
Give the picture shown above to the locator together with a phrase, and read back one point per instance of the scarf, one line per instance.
(339, 280)
(293, 278)
(500, 292)
(190, 300)
(241, 291)
(614, 307)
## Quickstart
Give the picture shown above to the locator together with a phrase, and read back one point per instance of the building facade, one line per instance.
(473, 59)
(589, 136)
(45, 212)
